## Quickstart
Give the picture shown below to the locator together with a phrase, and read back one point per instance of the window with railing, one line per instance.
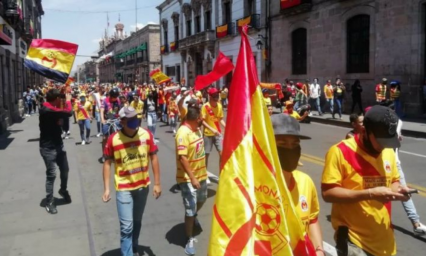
(177, 36)
(170, 71)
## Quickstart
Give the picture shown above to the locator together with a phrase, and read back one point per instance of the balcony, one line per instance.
(203, 38)
(290, 8)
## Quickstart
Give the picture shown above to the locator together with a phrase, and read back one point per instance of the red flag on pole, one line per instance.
(222, 67)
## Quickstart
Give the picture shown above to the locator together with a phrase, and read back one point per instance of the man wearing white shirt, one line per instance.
(315, 92)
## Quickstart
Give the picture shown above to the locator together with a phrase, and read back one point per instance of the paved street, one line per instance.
(89, 227)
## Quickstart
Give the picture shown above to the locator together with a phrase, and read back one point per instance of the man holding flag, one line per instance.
(253, 212)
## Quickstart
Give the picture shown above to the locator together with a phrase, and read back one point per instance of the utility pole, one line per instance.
(136, 14)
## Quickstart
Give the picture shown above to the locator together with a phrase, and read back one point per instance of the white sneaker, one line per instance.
(68, 133)
(174, 131)
(83, 142)
(420, 230)
(99, 135)
(156, 141)
(208, 181)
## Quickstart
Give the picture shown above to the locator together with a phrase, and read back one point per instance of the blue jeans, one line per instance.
(164, 112)
(296, 105)
(317, 103)
(397, 106)
(330, 102)
(409, 207)
(98, 121)
(172, 122)
(130, 208)
(152, 122)
(84, 124)
(339, 103)
(29, 106)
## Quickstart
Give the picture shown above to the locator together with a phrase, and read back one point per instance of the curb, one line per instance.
(345, 124)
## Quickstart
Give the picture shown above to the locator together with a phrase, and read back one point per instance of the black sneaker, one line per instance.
(51, 208)
(65, 195)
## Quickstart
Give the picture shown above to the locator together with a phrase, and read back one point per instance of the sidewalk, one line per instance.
(409, 128)
(25, 227)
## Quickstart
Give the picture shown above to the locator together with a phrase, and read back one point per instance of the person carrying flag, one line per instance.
(191, 173)
(212, 115)
(83, 110)
(300, 185)
(52, 147)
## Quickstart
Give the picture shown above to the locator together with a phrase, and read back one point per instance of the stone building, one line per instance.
(20, 22)
(129, 59)
(352, 39)
(194, 31)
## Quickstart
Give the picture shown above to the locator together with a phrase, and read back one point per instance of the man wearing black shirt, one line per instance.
(51, 145)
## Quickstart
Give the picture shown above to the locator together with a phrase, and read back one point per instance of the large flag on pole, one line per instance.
(222, 66)
(51, 58)
(253, 213)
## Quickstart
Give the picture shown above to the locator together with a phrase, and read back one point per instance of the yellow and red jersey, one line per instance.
(190, 143)
(130, 155)
(212, 116)
(172, 109)
(395, 93)
(83, 110)
(349, 166)
(328, 91)
(305, 198)
(381, 92)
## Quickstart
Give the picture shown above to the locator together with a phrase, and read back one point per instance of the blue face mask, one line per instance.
(133, 123)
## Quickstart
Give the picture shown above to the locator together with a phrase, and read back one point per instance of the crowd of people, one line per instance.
(362, 173)
(310, 94)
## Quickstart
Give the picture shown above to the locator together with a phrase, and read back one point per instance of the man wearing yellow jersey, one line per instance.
(132, 149)
(83, 110)
(289, 105)
(138, 106)
(212, 115)
(329, 96)
(361, 179)
(191, 171)
(300, 185)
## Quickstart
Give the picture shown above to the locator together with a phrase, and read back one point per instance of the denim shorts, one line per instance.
(192, 196)
(209, 141)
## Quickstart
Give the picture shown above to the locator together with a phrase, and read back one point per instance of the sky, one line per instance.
(84, 22)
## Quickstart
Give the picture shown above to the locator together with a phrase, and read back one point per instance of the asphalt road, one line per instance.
(89, 227)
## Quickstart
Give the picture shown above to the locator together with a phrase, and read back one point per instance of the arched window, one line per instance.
(299, 41)
(358, 44)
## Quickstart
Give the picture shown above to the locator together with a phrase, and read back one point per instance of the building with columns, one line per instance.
(194, 31)
(129, 59)
(352, 39)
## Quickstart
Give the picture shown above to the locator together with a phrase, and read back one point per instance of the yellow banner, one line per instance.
(221, 29)
(244, 21)
(56, 60)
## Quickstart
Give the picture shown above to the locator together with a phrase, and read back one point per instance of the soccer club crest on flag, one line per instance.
(52, 59)
(253, 214)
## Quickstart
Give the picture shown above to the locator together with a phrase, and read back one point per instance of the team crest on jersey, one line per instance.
(387, 166)
(303, 203)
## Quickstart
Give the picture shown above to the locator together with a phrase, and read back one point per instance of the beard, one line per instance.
(289, 158)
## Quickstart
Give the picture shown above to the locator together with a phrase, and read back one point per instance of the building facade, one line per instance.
(129, 59)
(20, 22)
(352, 39)
(194, 31)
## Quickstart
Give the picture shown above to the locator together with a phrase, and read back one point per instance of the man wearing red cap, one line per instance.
(212, 115)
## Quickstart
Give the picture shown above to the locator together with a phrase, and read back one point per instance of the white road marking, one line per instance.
(413, 154)
(328, 248)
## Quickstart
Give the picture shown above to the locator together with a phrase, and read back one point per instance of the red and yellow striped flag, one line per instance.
(253, 213)
(222, 31)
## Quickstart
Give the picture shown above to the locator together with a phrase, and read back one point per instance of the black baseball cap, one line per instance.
(286, 125)
(383, 123)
